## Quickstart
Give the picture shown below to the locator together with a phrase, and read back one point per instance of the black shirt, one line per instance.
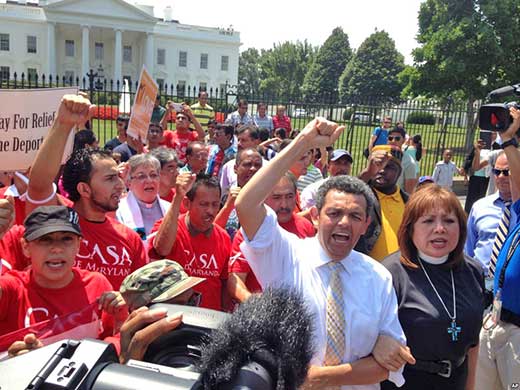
(422, 315)
(113, 143)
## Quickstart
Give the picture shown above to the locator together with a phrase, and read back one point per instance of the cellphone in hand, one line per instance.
(176, 106)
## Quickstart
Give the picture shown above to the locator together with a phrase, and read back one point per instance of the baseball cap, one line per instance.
(425, 179)
(158, 281)
(338, 153)
(393, 150)
(49, 219)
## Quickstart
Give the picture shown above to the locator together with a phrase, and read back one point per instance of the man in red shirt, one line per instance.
(242, 282)
(280, 120)
(193, 240)
(183, 135)
(92, 181)
(52, 287)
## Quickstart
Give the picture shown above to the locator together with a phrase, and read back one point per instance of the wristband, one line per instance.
(42, 201)
(511, 142)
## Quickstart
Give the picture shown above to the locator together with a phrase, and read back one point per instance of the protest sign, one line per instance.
(26, 116)
(143, 106)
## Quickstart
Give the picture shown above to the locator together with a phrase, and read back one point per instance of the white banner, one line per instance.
(26, 116)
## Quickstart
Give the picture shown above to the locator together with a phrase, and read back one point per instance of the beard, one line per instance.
(104, 205)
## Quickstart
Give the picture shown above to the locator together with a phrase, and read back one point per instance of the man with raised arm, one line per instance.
(350, 294)
(92, 181)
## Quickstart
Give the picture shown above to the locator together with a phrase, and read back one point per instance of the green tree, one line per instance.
(466, 48)
(283, 68)
(249, 72)
(373, 70)
(330, 61)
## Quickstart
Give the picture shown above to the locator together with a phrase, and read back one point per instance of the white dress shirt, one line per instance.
(279, 258)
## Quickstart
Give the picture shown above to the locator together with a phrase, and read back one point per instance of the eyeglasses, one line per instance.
(143, 177)
(394, 138)
(497, 172)
(387, 122)
(155, 131)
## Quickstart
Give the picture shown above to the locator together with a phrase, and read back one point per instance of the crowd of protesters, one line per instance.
(399, 280)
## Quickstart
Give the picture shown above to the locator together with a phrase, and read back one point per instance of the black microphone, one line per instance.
(272, 330)
(503, 92)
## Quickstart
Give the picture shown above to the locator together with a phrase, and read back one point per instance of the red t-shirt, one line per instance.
(108, 247)
(238, 263)
(201, 256)
(111, 249)
(169, 198)
(179, 141)
(25, 303)
(11, 249)
(284, 122)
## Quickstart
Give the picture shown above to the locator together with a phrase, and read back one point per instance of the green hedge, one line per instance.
(421, 118)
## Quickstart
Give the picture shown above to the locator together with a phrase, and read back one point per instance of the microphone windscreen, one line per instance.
(276, 323)
(501, 92)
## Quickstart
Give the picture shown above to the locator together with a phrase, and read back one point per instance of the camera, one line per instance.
(495, 116)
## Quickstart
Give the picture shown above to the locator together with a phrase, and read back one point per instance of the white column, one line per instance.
(85, 51)
(149, 54)
(118, 50)
(51, 49)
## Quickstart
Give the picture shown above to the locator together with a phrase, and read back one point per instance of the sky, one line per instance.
(264, 23)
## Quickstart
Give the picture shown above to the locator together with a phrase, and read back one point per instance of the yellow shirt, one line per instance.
(392, 210)
(203, 114)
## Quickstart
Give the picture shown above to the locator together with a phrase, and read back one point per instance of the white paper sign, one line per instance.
(26, 116)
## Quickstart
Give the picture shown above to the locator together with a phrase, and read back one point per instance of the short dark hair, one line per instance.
(122, 118)
(241, 102)
(238, 157)
(281, 131)
(203, 180)
(253, 131)
(424, 199)
(229, 130)
(83, 138)
(349, 185)
(398, 130)
(189, 148)
(263, 134)
(78, 169)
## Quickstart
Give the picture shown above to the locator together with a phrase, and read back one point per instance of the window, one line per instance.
(69, 48)
(183, 59)
(181, 87)
(204, 61)
(99, 51)
(32, 74)
(161, 56)
(4, 73)
(69, 75)
(127, 53)
(160, 83)
(31, 44)
(203, 86)
(4, 42)
(224, 63)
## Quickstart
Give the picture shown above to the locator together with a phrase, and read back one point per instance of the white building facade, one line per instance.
(70, 37)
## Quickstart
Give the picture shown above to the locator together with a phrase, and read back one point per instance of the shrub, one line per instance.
(421, 118)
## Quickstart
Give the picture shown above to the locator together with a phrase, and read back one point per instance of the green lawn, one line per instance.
(356, 140)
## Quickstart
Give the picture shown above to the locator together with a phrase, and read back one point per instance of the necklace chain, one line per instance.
(454, 316)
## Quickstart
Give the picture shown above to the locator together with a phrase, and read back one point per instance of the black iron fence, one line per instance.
(441, 125)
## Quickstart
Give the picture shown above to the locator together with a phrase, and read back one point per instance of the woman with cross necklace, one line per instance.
(439, 293)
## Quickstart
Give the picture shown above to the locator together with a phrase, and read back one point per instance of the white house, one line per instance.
(114, 38)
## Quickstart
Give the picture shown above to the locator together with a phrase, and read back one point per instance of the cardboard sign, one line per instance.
(143, 106)
(26, 116)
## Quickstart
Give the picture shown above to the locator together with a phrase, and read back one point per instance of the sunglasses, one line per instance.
(497, 172)
(394, 138)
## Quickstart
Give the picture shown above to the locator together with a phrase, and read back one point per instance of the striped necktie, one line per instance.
(502, 229)
(335, 349)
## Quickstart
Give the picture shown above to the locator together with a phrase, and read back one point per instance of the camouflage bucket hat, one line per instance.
(158, 281)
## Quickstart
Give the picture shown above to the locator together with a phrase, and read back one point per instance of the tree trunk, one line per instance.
(471, 124)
